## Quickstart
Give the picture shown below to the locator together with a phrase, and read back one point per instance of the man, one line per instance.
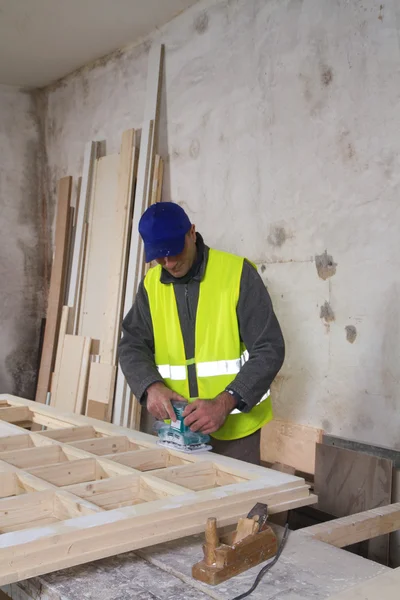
(202, 329)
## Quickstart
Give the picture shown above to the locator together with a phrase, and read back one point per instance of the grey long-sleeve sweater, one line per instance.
(258, 326)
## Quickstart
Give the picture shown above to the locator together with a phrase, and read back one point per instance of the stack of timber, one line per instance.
(97, 266)
(84, 489)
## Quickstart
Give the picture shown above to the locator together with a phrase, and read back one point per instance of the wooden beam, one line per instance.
(56, 293)
(359, 527)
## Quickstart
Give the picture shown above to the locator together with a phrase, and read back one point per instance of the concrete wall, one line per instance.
(280, 132)
(22, 244)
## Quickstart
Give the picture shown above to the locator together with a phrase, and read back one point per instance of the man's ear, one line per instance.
(193, 232)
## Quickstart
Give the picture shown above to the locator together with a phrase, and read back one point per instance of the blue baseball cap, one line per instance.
(163, 227)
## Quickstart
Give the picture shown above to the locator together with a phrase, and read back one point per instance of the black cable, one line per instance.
(267, 567)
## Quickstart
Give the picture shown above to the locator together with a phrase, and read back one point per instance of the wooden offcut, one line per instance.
(57, 285)
(81, 505)
(100, 391)
(70, 387)
(290, 444)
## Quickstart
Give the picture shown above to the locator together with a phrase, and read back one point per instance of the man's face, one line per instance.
(179, 265)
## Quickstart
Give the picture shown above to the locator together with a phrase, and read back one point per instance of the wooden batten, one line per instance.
(92, 151)
(57, 285)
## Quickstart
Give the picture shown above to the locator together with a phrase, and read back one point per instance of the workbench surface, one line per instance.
(307, 570)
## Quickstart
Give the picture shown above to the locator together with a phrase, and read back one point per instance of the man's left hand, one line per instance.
(207, 416)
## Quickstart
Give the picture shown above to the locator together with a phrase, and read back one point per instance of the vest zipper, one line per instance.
(187, 301)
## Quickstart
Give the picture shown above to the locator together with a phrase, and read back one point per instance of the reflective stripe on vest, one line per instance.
(235, 411)
(210, 369)
(213, 368)
(219, 353)
(175, 373)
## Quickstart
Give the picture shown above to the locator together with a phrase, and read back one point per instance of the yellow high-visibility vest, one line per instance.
(219, 353)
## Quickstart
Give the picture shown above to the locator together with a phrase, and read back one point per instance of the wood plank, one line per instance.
(93, 308)
(67, 473)
(148, 143)
(17, 512)
(92, 150)
(8, 485)
(382, 587)
(70, 245)
(291, 444)
(135, 265)
(149, 460)
(15, 442)
(100, 391)
(70, 434)
(349, 482)
(359, 527)
(32, 457)
(15, 414)
(74, 368)
(56, 291)
(83, 377)
(112, 444)
(116, 490)
(7, 429)
(156, 185)
(127, 171)
(63, 330)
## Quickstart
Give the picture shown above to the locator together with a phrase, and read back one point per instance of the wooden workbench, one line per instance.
(307, 570)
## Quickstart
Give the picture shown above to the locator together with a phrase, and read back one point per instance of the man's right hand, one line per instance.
(159, 401)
